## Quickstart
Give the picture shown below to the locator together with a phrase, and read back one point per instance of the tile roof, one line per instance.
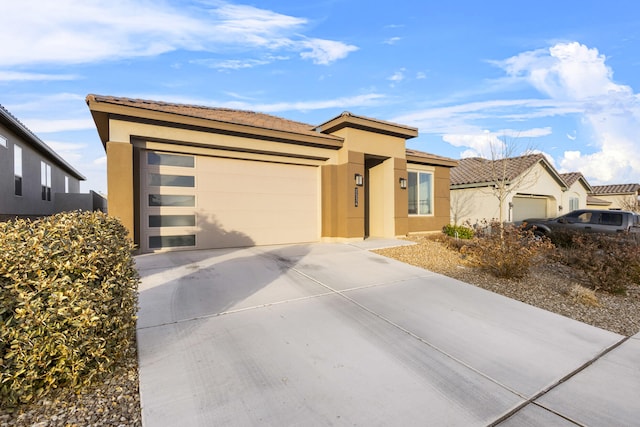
(476, 170)
(571, 177)
(595, 201)
(254, 119)
(241, 117)
(615, 189)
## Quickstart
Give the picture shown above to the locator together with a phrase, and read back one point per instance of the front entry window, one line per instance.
(420, 190)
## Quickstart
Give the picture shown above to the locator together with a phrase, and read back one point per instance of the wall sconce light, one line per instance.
(359, 180)
(403, 183)
(559, 208)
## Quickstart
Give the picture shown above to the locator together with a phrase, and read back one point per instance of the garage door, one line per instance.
(199, 202)
(529, 207)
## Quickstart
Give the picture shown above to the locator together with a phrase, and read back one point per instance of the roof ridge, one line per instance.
(121, 99)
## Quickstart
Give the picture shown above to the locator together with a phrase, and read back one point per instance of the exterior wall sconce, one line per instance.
(359, 180)
(403, 183)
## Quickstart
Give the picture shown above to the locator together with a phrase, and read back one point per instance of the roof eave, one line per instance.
(104, 111)
(38, 144)
(364, 123)
(450, 163)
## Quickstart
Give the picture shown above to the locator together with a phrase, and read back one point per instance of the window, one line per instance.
(608, 218)
(66, 184)
(574, 204)
(17, 170)
(420, 193)
(156, 242)
(172, 220)
(170, 160)
(45, 181)
(3, 141)
(171, 200)
(162, 180)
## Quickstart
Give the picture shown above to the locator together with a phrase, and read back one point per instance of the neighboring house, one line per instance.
(577, 194)
(615, 196)
(185, 177)
(530, 187)
(34, 180)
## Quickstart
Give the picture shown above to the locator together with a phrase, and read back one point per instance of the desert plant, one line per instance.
(585, 296)
(67, 304)
(506, 250)
(458, 231)
(608, 263)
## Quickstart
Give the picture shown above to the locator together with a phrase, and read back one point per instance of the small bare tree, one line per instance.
(629, 203)
(508, 170)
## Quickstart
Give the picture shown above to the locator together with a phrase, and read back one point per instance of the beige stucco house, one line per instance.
(576, 195)
(615, 196)
(191, 177)
(530, 187)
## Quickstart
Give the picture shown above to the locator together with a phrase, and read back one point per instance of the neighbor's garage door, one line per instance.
(227, 203)
(529, 207)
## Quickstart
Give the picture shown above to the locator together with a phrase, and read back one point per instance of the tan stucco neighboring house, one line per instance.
(192, 177)
(577, 194)
(615, 196)
(531, 188)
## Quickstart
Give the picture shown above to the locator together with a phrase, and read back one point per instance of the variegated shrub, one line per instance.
(68, 300)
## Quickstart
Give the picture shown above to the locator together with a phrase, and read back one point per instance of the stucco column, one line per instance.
(120, 189)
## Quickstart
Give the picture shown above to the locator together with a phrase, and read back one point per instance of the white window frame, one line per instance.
(45, 180)
(17, 168)
(574, 204)
(3, 141)
(430, 201)
(66, 184)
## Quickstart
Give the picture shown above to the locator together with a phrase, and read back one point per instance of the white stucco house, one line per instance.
(529, 186)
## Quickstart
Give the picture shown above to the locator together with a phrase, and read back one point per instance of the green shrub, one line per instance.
(506, 251)
(67, 304)
(608, 263)
(458, 231)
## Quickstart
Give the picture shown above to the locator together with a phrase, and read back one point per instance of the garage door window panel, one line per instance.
(159, 242)
(165, 180)
(172, 200)
(172, 220)
(163, 159)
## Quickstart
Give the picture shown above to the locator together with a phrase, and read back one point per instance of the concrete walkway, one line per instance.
(332, 334)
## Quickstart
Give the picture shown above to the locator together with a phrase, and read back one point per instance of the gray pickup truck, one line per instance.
(587, 221)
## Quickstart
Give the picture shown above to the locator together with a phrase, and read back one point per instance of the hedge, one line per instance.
(68, 302)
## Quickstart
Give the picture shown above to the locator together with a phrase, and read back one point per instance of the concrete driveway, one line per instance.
(332, 334)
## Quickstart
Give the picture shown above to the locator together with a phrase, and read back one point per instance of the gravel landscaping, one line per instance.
(116, 402)
(552, 287)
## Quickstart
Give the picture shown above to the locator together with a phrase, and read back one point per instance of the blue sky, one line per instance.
(559, 77)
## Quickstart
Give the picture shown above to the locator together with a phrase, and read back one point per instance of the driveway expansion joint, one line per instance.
(532, 400)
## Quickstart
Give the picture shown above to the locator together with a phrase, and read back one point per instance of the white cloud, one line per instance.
(15, 76)
(325, 52)
(45, 32)
(575, 82)
(58, 125)
(392, 40)
(509, 142)
(421, 75)
(564, 71)
(398, 76)
(232, 64)
(575, 73)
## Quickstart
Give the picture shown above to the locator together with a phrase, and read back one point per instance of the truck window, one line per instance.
(614, 219)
